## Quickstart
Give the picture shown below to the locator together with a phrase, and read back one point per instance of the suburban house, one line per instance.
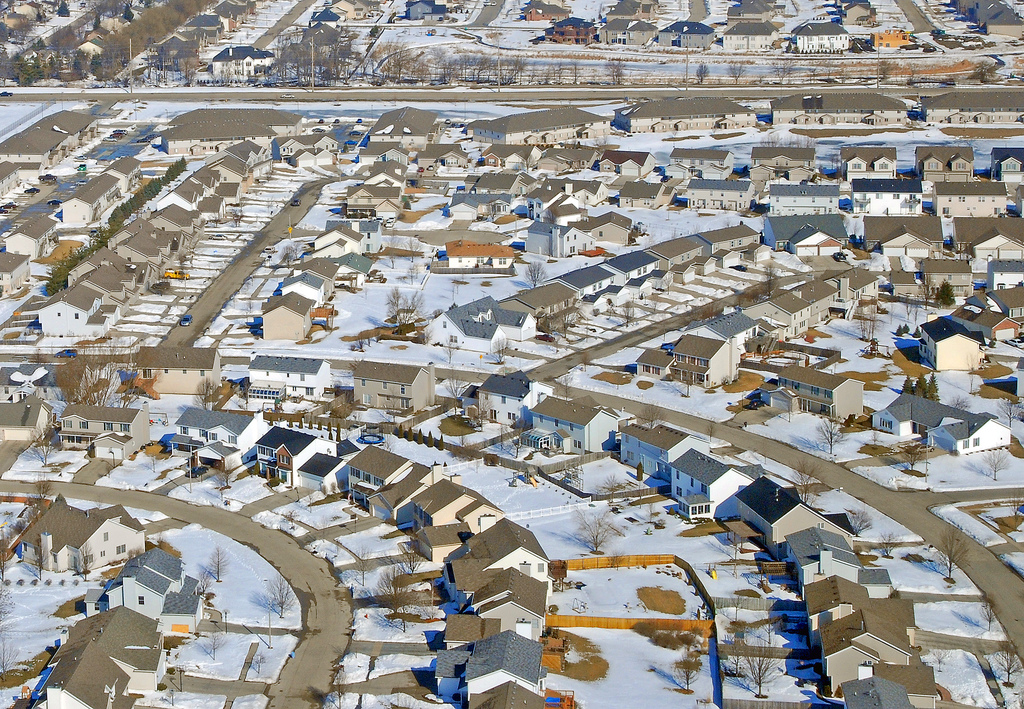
(504, 545)
(678, 114)
(472, 669)
(990, 237)
(462, 254)
(969, 199)
(412, 128)
(750, 37)
(70, 539)
(577, 426)
(806, 235)
(676, 252)
(283, 452)
(24, 419)
(991, 324)
(817, 392)
(704, 361)
(507, 398)
(546, 303)
(958, 274)
(35, 237)
(821, 38)
(517, 601)
(1007, 165)
(888, 197)
(878, 634)
(628, 163)
(992, 106)
(943, 163)
(864, 162)
(704, 486)
(610, 227)
(645, 195)
(776, 512)
(769, 163)
(627, 32)
(274, 378)
(572, 30)
(119, 431)
(686, 35)
(177, 370)
(287, 317)
(220, 439)
(789, 200)
(370, 470)
(729, 195)
(387, 385)
(92, 199)
(947, 345)
(483, 326)
(941, 425)
(155, 584)
(788, 311)
(655, 447)
(917, 237)
(14, 273)
(707, 163)
(832, 109)
(544, 127)
(1004, 274)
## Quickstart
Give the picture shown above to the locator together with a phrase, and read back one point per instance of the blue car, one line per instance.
(185, 321)
(67, 353)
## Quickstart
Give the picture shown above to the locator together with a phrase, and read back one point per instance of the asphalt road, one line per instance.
(326, 613)
(248, 260)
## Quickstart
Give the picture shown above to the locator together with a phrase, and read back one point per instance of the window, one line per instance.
(106, 536)
(403, 389)
(83, 424)
(302, 377)
(213, 436)
(977, 442)
(183, 430)
(126, 427)
(142, 600)
(232, 439)
(202, 372)
(107, 426)
(121, 549)
(367, 399)
(184, 371)
(76, 316)
(577, 444)
(103, 553)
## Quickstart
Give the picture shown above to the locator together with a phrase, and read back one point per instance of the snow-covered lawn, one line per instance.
(924, 572)
(207, 492)
(354, 668)
(144, 473)
(963, 619)
(960, 672)
(268, 662)
(317, 516)
(973, 526)
(251, 701)
(389, 664)
(373, 624)
(162, 700)
(613, 592)
(61, 466)
(216, 656)
(371, 542)
(243, 586)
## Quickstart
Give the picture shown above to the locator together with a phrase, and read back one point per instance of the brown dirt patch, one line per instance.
(746, 381)
(873, 381)
(874, 451)
(988, 391)
(506, 219)
(164, 546)
(644, 384)
(970, 132)
(590, 666)
(725, 136)
(817, 334)
(1016, 449)
(616, 378)
(910, 369)
(414, 216)
(704, 529)
(661, 600)
(26, 671)
(993, 370)
(69, 608)
(64, 248)
(748, 593)
(843, 132)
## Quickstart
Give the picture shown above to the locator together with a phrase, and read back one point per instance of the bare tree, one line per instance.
(218, 564)
(988, 612)
(860, 520)
(206, 395)
(42, 490)
(650, 415)
(736, 71)
(393, 593)
(887, 543)
(1016, 500)
(362, 561)
(536, 273)
(1009, 409)
(6, 535)
(806, 480)
(212, 643)
(686, 669)
(455, 385)
(629, 311)
(203, 582)
(563, 386)
(594, 529)
(914, 453)
(8, 656)
(1006, 662)
(44, 444)
(996, 461)
(85, 560)
(830, 433)
(410, 559)
(280, 596)
(702, 72)
(953, 549)
(500, 349)
(759, 664)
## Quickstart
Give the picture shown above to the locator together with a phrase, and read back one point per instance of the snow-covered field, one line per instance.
(959, 618)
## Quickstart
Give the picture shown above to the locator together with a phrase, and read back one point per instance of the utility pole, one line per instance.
(312, 74)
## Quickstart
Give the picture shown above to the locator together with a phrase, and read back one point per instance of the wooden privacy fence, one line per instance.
(699, 627)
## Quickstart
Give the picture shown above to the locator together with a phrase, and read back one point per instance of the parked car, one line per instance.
(176, 275)
(48, 178)
(54, 203)
(296, 202)
(32, 190)
(287, 95)
(186, 320)
(544, 338)
(197, 471)
(67, 353)
(6, 94)
(739, 267)
(839, 256)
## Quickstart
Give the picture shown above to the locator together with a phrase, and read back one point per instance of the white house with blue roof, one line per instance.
(704, 485)
(482, 326)
(273, 378)
(218, 438)
(507, 398)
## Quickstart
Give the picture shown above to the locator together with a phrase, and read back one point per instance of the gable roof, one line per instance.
(165, 356)
(206, 420)
(829, 592)
(291, 365)
(768, 500)
(708, 469)
(293, 441)
(515, 385)
(580, 410)
(387, 371)
(72, 527)
(944, 328)
(507, 651)
(931, 414)
(875, 693)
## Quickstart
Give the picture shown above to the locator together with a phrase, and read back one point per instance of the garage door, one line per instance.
(180, 628)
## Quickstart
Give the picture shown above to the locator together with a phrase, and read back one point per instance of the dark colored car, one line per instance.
(739, 267)
(48, 178)
(32, 190)
(197, 471)
(296, 202)
(5, 94)
(545, 338)
(54, 203)
(67, 353)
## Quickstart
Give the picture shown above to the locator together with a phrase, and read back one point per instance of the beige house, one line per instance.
(178, 370)
(24, 420)
(943, 163)
(545, 127)
(946, 345)
(681, 114)
(645, 195)
(14, 272)
(380, 385)
(865, 162)
(70, 539)
(914, 236)
(992, 238)
(788, 310)
(957, 273)
(777, 512)
(817, 392)
(730, 195)
(781, 163)
(704, 361)
(83, 426)
(879, 633)
(970, 199)
(835, 108)
(287, 317)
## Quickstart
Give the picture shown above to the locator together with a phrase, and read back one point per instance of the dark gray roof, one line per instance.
(321, 465)
(585, 277)
(181, 603)
(482, 317)
(807, 545)
(154, 569)
(293, 441)
(768, 500)
(707, 469)
(297, 365)
(206, 420)
(508, 651)
(23, 414)
(631, 260)
(943, 328)
(725, 185)
(875, 693)
(930, 414)
(515, 385)
(794, 228)
(781, 190)
(880, 185)
(874, 576)
(727, 325)
(819, 29)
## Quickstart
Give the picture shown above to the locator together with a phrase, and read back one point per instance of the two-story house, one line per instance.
(155, 584)
(507, 398)
(380, 385)
(817, 392)
(178, 370)
(945, 163)
(283, 451)
(218, 438)
(119, 431)
(578, 426)
(704, 485)
(274, 378)
(655, 447)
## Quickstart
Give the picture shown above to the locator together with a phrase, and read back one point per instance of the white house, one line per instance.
(941, 425)
(508, 398)
(578, 426)
(218, 438)
(786, 200)
(556, 240)
(703, 485)
(887, 197)
(474, 668)
(273, 377)
(821, 38)
(483, 326)
(655, 448)
(155, 584)
(1005, 274)
(240, 63)
(77, 311)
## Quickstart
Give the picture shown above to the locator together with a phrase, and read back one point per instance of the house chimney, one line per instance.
(825, 562)
(524, 628)
(435, 473)
(865, 670)
(45, 549)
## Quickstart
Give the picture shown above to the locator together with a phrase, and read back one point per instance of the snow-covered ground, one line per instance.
(144, 473)
(960, 672)
(959, 618)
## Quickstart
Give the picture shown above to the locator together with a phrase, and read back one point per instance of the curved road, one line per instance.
(326, 613)
(1001, 584)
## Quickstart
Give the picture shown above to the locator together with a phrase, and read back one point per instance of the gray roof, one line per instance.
(752, 29)
(684, 107)
(804, 190)
(819, 29)
(536, 121)
(707, 469)
(839, 102)
(295, 365)
(165, 356)
(176, 603)
(630, 261)
(797, 227)
(72, 527)
(206, 420)
(724, 185)
(305, 277)
(944, 328)
(515, 385)
(321, 465)
(875, 693)
(1001, 266)
(584, 277)
(154, 569)
(807, 544)
(292, 440)
(387, 371)
(930, 414)
(727, 325)
(580, 410)
(885, 185)
(24, 414)
(404, 121)
(114, 414)
(874, 576)
(44, 375)
(508, 651)
(482, 317)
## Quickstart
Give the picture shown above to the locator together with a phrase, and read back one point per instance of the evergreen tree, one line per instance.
(440, 443)
(640, 471)
(63, 10)
(96, 23)
(908, 386)
(430, 439)
(933, 388)
(944, 295)
(127, 15)
(417, 437)
(921, 386)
